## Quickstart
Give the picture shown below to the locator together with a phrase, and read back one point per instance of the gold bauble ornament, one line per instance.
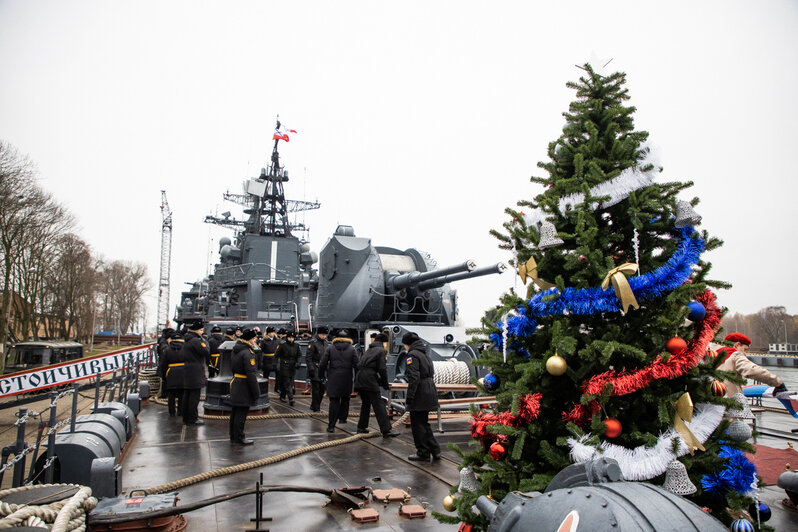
(556, 365)
(449, 503)
(481, 381)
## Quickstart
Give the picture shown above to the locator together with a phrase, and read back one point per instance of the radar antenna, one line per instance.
(166, 260)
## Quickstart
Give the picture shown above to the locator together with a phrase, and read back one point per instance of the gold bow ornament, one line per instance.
(530, 269)
(684, 412)
(621, 286)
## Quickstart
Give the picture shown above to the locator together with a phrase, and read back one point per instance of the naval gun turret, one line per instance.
(361, 285)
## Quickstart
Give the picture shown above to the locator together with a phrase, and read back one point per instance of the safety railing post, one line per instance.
(97, 392)
(75, 389)
(49, 471)
(19, 467)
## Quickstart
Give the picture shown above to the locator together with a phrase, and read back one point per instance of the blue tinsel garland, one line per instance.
(737, 474)
(589, 301)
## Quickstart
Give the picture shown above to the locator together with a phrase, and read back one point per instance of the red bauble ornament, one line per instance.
(497, 451)
(614, 428)
(676, 346)
(718, 388)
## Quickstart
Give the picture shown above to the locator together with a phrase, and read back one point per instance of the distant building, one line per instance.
(783, 349)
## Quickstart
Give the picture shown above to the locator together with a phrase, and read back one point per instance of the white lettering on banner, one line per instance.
(85, 368)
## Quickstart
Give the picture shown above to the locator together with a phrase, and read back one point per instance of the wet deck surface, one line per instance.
(165, 450)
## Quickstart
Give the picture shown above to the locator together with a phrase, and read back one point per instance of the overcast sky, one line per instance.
(419, 122)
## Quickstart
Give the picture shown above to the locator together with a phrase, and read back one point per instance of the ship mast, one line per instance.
(265, 200)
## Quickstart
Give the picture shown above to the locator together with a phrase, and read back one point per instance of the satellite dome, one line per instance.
(224, 241)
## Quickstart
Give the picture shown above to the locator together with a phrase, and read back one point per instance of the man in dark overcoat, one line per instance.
(288, 354)
(195, 356)
(269, 346)
(372, 374)
(163, 342)
(422, 396)
(244, 389)
(214, 341)
(315, 351)
(174, 374)
(337, 366)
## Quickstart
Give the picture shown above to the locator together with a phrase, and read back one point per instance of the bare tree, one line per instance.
(18, 194)
(124, 286)
(770, 321)
(72, 286)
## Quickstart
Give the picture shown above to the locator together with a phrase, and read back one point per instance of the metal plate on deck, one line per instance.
(41, 495)
(365, 515)
(391, 495)
(412, 511)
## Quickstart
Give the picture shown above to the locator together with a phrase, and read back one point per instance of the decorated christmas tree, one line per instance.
(607, 351)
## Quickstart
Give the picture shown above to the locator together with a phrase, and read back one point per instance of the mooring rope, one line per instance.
(66, 515)
(171, 486)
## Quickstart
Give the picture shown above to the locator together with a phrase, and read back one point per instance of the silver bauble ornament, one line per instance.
(739, 431)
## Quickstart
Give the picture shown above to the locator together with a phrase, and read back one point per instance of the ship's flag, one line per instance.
(282, 133)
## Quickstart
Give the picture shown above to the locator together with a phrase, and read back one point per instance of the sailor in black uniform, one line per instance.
(315, 351)
(163, 342)
(244, 390)
(337, 367)
(214, 342)
(288, 355)
(230, 334)
(269, 346)
(195, 356)
(174, 374)
(372, 374)
(422, 396)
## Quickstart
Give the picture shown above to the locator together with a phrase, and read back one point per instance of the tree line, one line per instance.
(770, 325)
(53, 285)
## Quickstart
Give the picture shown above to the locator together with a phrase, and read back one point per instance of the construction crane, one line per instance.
(166, 260)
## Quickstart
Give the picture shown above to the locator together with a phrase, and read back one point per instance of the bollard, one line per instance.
(19, 467)
(49, 471)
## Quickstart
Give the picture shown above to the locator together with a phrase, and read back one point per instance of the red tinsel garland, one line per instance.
(626, 382)
(528, 410)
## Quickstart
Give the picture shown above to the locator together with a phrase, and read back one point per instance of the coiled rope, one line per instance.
(171, 486)
(66, 515)
(451, 371)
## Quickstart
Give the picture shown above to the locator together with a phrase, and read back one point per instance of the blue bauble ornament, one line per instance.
(764, 511)
(490, 382)
(742, 525)
(697, 311)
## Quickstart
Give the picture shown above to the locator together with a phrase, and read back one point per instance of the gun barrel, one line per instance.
(438, 282)
(405, 280)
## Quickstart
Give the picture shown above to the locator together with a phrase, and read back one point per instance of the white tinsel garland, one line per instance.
(644, 463)
(618, 189)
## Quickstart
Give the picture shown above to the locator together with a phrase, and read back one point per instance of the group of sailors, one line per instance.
(335, 368)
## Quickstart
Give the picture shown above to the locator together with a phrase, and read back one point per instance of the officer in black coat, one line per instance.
(337, 366)
(244, 390)
(316, 348)
(372, 374)
(288, 354)
(163, 342)
(216, 339)
(269, 346)
(195, 356)
(422, 396)
(174, 374)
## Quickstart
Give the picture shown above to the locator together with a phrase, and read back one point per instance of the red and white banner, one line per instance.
(66, 372)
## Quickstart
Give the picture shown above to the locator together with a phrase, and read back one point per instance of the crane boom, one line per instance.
(166, 260)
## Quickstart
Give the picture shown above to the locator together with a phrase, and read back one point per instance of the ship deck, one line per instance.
(165, 450)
